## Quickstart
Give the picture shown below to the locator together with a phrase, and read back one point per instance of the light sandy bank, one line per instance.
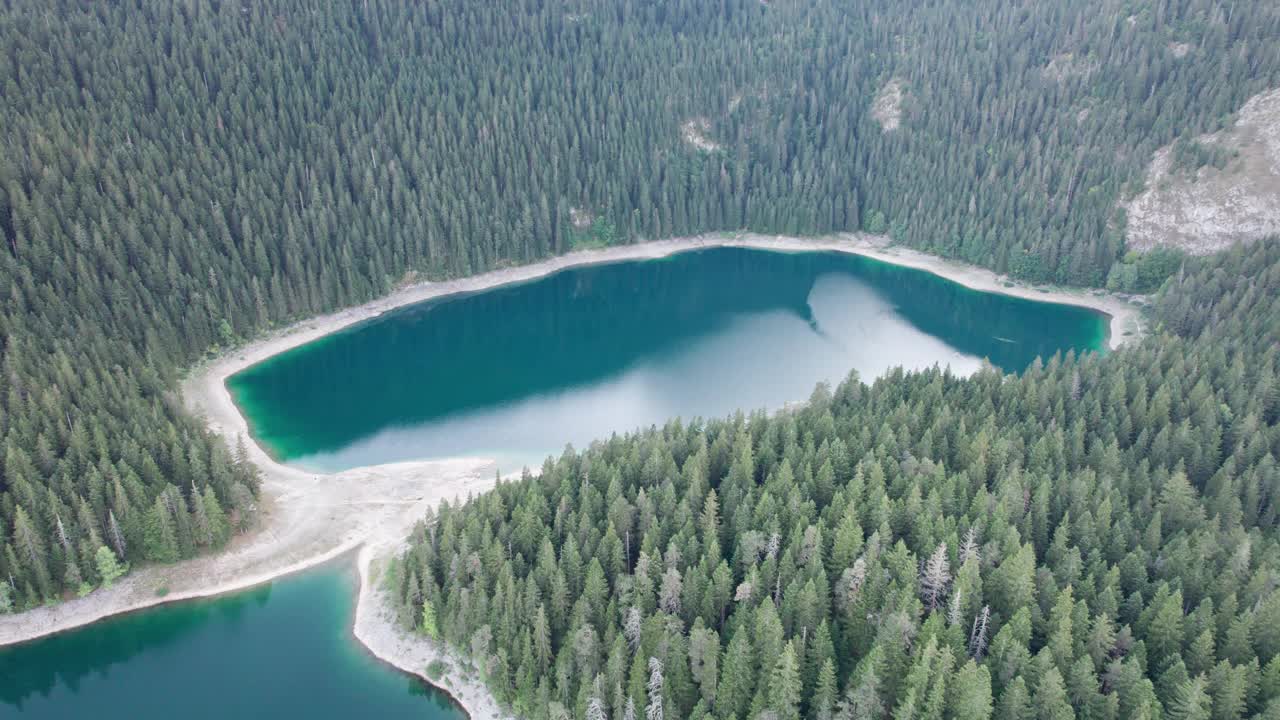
(377, 630)
(212, 397)
(308, 518)
(305, 521)
(1125, 312)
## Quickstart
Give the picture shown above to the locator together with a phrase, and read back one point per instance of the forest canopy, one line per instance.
(1094, 538)
(178, 177)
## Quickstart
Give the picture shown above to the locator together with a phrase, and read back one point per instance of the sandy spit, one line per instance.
(377, 630)
(309, 518)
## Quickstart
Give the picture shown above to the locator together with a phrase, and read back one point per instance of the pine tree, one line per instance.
(1164, 636)
(596, 709)
(737, 678)
(1015, 702)
(1061, 637)
(1015, 582)
(1102, 640)
(863, 700)
(784, 687)
(215, 518)
(109, 568)
(704, 661)
(654, 709)
(160, 537)
(428, 621)
(542, 638)
(935, 578)
(1229, 689)
(1179, 505)
(970, 693)
(31, 550)
(1051, 698)
(1190, 701)
(978, 634)
(116, 534)
(822, 706)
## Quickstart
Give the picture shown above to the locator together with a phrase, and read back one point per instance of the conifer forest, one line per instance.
(1096, 537)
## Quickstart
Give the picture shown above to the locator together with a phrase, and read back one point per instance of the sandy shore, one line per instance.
(308, 518)
(1125, 315)
(306, 521)
(376, 629)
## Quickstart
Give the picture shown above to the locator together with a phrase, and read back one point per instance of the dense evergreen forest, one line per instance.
(176, 177)
(1098, 538)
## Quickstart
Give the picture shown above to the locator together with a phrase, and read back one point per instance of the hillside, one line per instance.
(1206, 193)
(179, 177)
(1097, 538)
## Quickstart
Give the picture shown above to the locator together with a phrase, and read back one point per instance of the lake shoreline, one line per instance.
(311, 518)
(376, 630)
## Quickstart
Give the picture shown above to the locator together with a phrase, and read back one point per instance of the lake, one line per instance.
(512, 373)
(281, 650)
(516, 372)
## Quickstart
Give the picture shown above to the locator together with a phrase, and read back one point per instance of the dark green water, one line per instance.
(280, 651)
(516, 372)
